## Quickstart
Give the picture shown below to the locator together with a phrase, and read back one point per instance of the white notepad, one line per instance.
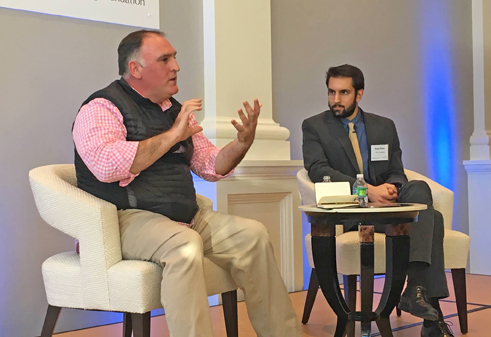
(334, 194)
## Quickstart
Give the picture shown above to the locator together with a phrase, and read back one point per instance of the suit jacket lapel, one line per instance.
(371, 131)
(336, 127)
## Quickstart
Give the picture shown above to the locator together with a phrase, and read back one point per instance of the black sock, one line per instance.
(429, 324)
(416, 273)
(435, 303)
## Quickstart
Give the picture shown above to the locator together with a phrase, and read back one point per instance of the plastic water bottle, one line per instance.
(360, 189)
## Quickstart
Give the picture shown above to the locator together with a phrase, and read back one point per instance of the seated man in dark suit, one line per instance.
(328, 150)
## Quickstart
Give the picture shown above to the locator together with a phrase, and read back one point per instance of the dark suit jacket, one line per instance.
(327, 150)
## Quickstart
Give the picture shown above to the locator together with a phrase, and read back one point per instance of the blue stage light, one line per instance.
(438, 91)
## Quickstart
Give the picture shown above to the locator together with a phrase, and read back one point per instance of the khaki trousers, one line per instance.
(234, 243)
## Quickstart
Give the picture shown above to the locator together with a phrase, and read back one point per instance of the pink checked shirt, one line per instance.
(100, 138)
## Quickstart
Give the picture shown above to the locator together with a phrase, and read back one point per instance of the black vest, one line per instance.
(165, 187)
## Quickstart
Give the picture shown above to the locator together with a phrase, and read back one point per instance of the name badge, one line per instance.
(380, 152)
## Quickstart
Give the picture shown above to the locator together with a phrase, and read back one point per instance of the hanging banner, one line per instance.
(138, 13)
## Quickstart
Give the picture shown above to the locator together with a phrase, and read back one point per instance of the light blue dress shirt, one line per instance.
(362, 140)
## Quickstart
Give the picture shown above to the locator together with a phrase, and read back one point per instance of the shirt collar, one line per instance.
(357, 120)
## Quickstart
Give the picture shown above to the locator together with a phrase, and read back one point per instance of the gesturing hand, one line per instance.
(247, 130)
(181, 127)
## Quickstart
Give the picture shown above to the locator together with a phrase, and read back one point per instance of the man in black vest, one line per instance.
(135, 146)
(328, 150)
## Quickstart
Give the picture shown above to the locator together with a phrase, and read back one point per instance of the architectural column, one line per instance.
(479, 141)
(479, 166)
(237, 56)
(237, 67)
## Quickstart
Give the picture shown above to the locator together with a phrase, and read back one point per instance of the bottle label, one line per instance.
(361, 192)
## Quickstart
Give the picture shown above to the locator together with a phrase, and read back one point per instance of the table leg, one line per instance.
(324, 254)
(397, 260)
(366, 277)
(350, 297)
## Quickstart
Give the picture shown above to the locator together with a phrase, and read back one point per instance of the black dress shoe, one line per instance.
(439, 329)
(414, 301)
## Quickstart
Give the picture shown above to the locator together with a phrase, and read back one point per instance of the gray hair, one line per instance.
(129, 49)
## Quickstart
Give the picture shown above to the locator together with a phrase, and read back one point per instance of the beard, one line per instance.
(346, 112)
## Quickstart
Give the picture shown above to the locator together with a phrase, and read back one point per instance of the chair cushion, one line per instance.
(63, 280)
(134, 286)
(456, 249)
(348, 253)
(218, 280)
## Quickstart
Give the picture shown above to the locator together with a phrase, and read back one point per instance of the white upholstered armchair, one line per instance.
(98, 278)
(455, 245)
